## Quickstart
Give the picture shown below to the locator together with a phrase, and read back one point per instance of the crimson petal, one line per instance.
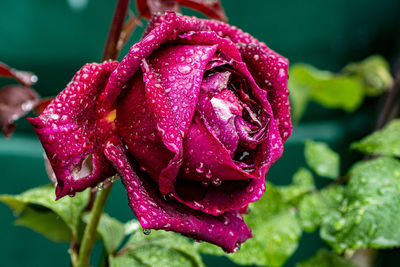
(269, 68)
(160, 107)
(206, 159)
(227, 230)
(73, 128)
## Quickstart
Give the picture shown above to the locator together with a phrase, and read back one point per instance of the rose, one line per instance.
(191, 119)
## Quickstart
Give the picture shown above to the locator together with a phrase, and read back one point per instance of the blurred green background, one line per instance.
(54, 38)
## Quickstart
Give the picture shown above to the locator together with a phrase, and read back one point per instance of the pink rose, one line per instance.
(192, 119)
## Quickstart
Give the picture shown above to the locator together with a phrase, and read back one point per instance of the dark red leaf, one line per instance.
(23, 77)
(210, 8)
(15, 102)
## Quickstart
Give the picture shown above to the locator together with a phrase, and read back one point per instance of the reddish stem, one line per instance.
(110, 49)
(391, 102)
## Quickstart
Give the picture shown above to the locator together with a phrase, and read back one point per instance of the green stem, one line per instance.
(89, 236)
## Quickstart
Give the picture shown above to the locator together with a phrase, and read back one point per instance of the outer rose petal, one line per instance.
(159, 31)
(216, 200)
(227, 231)
(160, 108)
(73, 129)
(180, 69)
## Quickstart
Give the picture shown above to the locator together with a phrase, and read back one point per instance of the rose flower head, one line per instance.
(191, 119)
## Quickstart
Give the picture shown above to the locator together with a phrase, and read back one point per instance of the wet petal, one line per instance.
(222, 128)
(206, 159)
(227, 230)
(138, 130)
(215, 82)
(180, 69)
(73, 128)
(159, 105)
(217, 198)
(160, 29)
(268, 67)
(15, 102)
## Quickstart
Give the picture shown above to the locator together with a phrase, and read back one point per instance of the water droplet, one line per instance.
(216, 182)
(167, 197)
(209, 174)
(236, 249)
(281, 75)
(200, 168)
(205, 184)
(146, 231)
(100, 186)
(184, 69)
(249, 189)
(256, 57)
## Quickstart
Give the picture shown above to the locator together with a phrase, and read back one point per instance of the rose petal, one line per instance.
(215, 82)
(226, 47)
(23, 77)
(269, 68)
(180, 69)
(223, 130)
(159, 105)
(160, 29)
(138, 130)
(206, 159)
(15, 102)
(73, 128)
(216, 199)
(227, 231)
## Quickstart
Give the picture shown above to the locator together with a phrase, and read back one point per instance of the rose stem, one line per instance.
(89, 236)
(390, 108)
(110, 52)
(110, 49)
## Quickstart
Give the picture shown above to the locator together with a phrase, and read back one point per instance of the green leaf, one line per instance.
(370, 211)
(303, 182)
(374, 72)
(46, 223)
(159, 248)
(319, 207)
(325, 258)
(302, 78)
(276, 231)
(69, 209)
(385, 142)
(338, 92)
(125, 261)
(111, 231)
(323, 160)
